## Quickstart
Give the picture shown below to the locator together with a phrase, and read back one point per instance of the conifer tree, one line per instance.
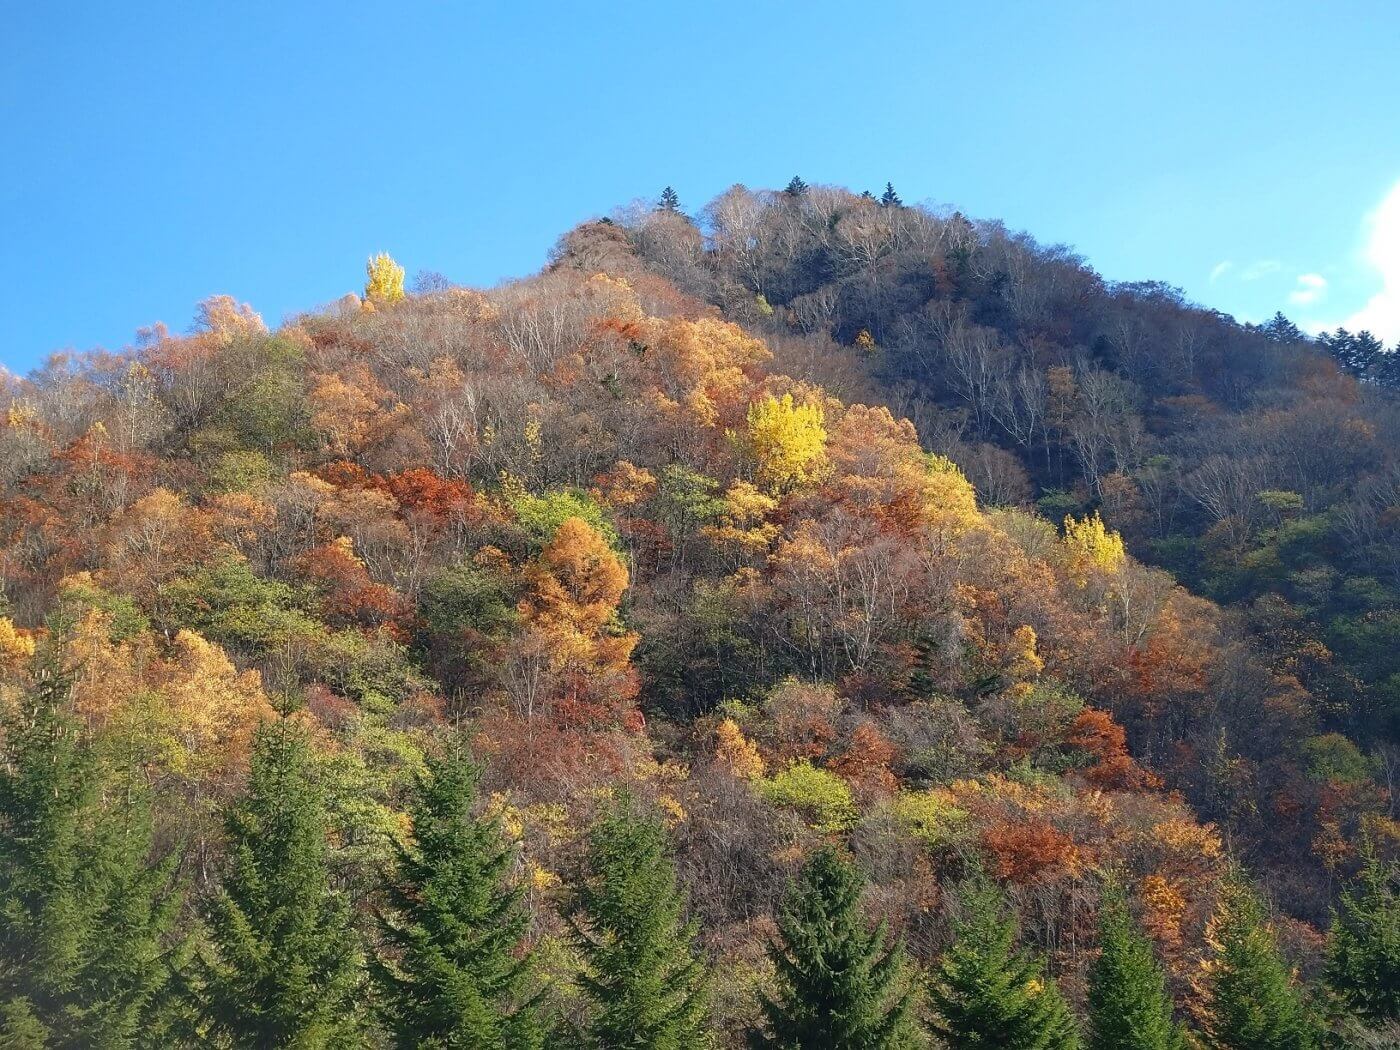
(84, 917)
(285, 968)
(1363, 959)
(841, 985)
(1254, 1004)
(796, 188)
(454, 924)
(990, 995)
(1129, 1008)
(890, 199)
(670, 201)
(647, 988)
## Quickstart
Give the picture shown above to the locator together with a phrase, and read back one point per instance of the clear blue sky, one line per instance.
(157, 153)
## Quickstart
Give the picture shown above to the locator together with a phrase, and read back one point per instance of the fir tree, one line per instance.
(1254, 1005)
(1363, 960)
(796, 188)
(890, 199)
(454, 925)
(84, 917)
(990, 995)
(1129, 1008)
(647, 988)
(841, 986)
(285, 968)
(670, 201)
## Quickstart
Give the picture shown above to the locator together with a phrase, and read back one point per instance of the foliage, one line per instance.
(644, 982)
(1129, 1008)
(383, 280)
(839, 984)
(1363, 961)
(820, 796)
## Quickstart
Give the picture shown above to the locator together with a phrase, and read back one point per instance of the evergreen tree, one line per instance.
(670, 201)
(1280, 329)
(454, 925)
(285, 968)
(647, 988)
(890, 199)
(990, 995)
(1363, 961)
(84, 916)
(796, 188)
(841, 986)
(1129, 1008)
(1254, 1005)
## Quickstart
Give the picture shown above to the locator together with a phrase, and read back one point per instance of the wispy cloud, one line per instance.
(1310, 288)
(1381, 314)
(1261, 268)
(1220, 270)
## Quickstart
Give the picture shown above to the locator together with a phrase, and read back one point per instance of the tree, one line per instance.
(890, 199)
(1254, 1004)
(990, 995)
(383, 280)
(796, 188)
(786, 441)
(840, 985)
(84, 918)
(1129, 1008)
(670, 201)
(284, 969)
(454, 974)
(1363, 959)
(646, 985)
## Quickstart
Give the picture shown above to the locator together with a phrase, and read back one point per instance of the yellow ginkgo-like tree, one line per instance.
(383, 280)
(786, 441)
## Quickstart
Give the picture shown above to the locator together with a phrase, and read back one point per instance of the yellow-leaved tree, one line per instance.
(1091, 546)
(383, 280)
(786, 440)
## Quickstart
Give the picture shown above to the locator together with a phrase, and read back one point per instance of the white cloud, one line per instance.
(1262, 268)
(1219, 270)
(1311, 287)
(1381, 315)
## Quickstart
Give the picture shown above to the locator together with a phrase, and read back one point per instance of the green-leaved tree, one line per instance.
(840, 984)
(85, 917)
(646, 985)
(1129, 1008)
(453, 973)
(988, 994)
(284, 967)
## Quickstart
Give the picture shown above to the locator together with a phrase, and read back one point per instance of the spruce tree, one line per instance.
(285, 965)
(796, 188)
(645, 984)
(890, 199)
(453, 975)
(1363, 959)
(1129, 1008)
(1254, 1004)
(670, 201)
(840, 985)
(990, 995)
(85, 917)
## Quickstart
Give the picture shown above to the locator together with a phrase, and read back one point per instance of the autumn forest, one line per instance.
(805, 621)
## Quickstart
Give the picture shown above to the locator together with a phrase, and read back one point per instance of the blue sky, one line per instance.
(158, 153)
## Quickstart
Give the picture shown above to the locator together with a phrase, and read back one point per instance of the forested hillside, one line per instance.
(825, 623)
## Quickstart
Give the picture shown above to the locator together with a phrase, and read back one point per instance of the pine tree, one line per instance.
(1129, 1008)
(1254, 1005)
(285, 968)
(796, 188)
(841, 986)
(454, 926)
(1363, 960)
(990, 995)
(646, 985)
(670, 201)
(84, 917)
(890, 199)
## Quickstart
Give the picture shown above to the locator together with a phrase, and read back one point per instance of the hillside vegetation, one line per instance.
(829, 624)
